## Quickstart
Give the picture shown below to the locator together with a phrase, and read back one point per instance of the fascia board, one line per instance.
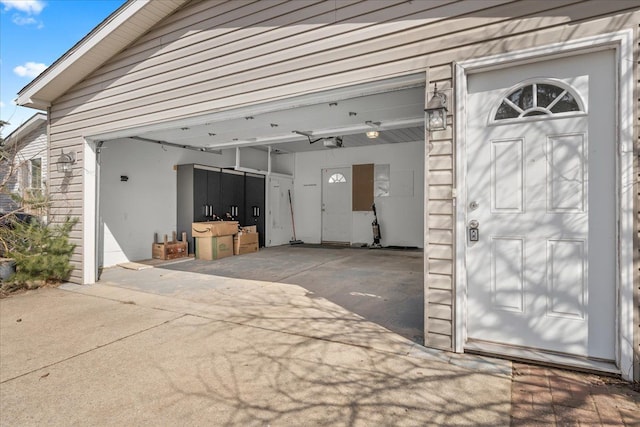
(24, 129)
(71, 61)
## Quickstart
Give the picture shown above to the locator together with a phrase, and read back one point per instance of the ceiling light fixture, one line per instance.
(373, 134)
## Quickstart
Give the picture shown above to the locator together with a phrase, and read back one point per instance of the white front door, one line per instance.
(336, 205)
(541, 190)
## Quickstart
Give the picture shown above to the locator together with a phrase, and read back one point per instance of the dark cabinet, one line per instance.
(254, 203)
(205, 193)
(232, 195)
(198, 197)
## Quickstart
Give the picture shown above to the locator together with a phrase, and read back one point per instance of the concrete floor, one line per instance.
(383, 286)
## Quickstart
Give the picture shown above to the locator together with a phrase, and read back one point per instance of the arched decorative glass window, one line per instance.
(545, 98)
(337, 178)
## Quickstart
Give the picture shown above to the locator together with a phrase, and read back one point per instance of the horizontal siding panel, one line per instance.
(440, 311)
(440, 252)
(440, 177)
(439, 192)
(440, 296)
(444, 207)
(440, 221)
(439, 326)
(440, 163)
(441, 236)
(439, 341)
(440, 266)
(439, 148)
(439, 281)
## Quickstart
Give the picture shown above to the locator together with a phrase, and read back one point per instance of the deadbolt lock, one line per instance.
(474, 233)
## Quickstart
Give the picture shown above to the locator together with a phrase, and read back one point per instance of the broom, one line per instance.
(293, 241)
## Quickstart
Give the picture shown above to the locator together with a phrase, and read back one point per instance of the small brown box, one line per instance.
(169, 250)
(245, 243)
(250, 228)
(210, 248)
(214, 228)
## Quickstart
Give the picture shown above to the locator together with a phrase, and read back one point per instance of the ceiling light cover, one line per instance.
(373, 134)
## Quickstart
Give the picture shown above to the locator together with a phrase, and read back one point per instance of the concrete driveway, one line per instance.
(223, 351)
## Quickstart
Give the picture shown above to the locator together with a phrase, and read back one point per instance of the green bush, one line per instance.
(42, 253)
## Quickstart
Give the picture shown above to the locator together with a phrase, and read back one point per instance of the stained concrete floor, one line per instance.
(383, 286)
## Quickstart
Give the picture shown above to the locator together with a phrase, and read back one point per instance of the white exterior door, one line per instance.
(541, 189)
(336, 205)
(279, 227)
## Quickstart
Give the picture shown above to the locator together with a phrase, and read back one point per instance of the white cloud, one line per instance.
(1, 104)
(30, 69)
(23, 20)
(30, 7)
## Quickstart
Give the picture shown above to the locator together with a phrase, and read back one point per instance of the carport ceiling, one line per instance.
(398, 116)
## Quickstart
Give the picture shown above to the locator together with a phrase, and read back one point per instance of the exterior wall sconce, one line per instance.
(66, 162)
(437, 111)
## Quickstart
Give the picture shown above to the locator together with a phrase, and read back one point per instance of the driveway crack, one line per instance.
(95, 348)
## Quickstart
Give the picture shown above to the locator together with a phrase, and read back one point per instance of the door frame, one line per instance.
(622, 43)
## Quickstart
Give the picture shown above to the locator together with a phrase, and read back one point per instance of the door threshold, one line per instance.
(540, 357)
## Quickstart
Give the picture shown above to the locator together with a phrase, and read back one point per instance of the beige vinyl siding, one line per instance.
(31, 146)
(439, 287)
(213, 56)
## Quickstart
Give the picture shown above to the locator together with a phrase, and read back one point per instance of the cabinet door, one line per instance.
(233, 195)
(255, 203)
(199, 195)
(213, 192)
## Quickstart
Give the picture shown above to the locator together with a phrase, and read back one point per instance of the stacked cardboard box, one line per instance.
(246, 241)
(214, 240)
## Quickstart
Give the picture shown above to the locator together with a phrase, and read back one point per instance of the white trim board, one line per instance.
(622, 42)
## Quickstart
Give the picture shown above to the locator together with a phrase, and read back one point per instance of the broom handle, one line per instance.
(293, 223)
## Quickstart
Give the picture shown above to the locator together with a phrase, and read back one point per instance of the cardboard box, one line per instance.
(210, 248)
(245, 243)
(214, 228)
(249, 228)
(169, 249)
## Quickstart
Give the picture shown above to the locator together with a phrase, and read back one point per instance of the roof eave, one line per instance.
(69, 69)
(24, 129)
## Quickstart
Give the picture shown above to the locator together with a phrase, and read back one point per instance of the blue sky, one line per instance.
(33, 34)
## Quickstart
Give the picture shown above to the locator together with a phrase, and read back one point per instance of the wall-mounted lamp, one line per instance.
(66, 162)
(373, 134)
(437, 111)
